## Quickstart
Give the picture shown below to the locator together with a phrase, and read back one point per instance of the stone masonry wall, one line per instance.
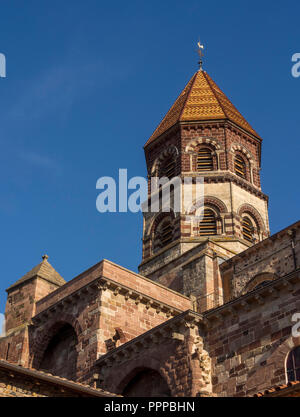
(277, 256)
(226, 136)
(196, 273)
(235, 195)
(105, 306)
(249, 339)
(174, 350)
(21, 301)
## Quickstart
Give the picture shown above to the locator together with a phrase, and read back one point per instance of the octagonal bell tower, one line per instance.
(204, 135)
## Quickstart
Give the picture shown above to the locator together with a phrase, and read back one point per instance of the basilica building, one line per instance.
(213, 309)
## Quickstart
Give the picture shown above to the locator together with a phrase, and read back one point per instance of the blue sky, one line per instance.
(87, 83)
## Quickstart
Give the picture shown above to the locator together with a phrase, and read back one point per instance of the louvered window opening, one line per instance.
(240, 166)
(204, 160)
(247, 229)
(208, 225)
(168, 168)
(166, 234)
(293, 365)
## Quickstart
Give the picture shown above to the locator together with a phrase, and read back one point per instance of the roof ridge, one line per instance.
(206, 76)
(211, 83)
(188, 94)
(170, 112)
(42, 270)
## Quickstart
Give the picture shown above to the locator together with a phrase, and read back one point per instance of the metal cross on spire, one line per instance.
(201, 54)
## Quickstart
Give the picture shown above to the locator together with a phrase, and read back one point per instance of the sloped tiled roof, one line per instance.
(50, 378)
(201, 100)
(288, 389)
(43, 270)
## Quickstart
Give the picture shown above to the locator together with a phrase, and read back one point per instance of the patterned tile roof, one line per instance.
(43, 270)
(201, 99)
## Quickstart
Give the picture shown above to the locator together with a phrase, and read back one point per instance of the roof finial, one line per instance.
(200, 53)
(45, 257)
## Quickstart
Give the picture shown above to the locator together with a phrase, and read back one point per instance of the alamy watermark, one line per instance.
(181, 195)
(2, 65)
(296, 327)
(296, 66)
(2, 325)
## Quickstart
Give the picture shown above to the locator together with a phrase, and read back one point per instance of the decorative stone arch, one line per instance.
(277, 356)
(293, 368)
(171, 151)
(43, 337)
(126, 374)
(203, 140)
(255, 216)
(258, 280)
(214, 202)
(282, 352)
(158, 220)
(211, 143)
(236, 149)
(216, 205)
(155, 220)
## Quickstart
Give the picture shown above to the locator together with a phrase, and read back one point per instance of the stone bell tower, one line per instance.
(204, 135)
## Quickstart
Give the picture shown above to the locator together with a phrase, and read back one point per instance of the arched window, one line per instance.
(240, 166)
(204, 160)
(208, 225)
(167, 168)
(293, 365)
(247, 229)
(166, 233)
(258, 281)
(163, 234)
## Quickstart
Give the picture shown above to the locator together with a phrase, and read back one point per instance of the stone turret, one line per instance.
(20, 306)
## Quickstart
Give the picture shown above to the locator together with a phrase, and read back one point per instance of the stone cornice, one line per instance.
(223, 123)
(238, 271)
(216, 177)
(227, 176)
(249, 301)
(103, 284)
(239, 130)
(138, 297)
(194, 239)
(219, 123)
(67, 300)
(171, 329)
(142, 277)
(165, 136)
(254, 248)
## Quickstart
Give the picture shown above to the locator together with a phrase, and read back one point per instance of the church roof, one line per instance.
(291, 389)
(36, 375)
(43, 270)
(201, 99)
